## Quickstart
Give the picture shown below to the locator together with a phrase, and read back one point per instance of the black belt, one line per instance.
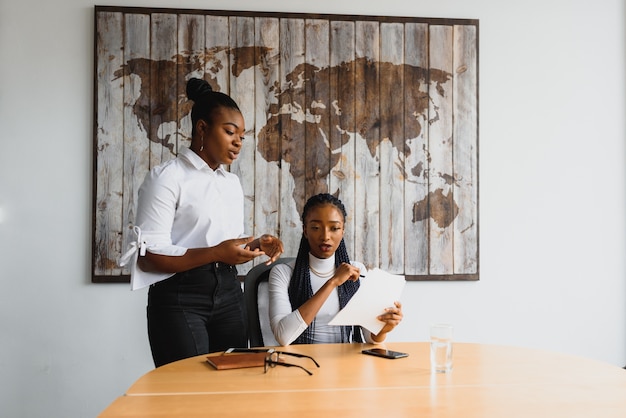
(217, 265)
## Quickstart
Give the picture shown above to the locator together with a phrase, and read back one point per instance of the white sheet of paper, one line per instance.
(378, 290)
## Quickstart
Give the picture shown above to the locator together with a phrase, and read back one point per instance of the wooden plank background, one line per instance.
(380, 111)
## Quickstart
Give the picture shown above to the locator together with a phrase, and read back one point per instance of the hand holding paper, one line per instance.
(378, 290)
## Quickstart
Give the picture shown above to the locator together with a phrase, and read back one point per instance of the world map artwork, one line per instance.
(275, 140)
(381, 112)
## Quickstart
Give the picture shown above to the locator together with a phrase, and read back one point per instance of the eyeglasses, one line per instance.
(273, 360)
(273, 357)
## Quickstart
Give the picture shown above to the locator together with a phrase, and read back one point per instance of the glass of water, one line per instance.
(441, 348)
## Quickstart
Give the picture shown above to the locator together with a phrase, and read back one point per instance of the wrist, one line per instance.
(379, 338)
(334, 282)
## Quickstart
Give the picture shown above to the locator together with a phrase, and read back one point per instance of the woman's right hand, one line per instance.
(234, 251)
(344, 273)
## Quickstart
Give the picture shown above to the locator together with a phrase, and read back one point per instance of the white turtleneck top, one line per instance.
(287, 324)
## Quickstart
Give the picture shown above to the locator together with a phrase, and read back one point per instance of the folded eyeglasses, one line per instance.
(273, 357)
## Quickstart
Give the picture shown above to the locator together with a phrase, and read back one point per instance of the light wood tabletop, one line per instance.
(486, 381)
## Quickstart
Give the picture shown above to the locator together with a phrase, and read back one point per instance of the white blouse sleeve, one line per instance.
(286, 324)
(157, 200)
(156, 207)
(139, 278)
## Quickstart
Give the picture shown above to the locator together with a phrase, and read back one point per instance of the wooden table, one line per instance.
(487, 381)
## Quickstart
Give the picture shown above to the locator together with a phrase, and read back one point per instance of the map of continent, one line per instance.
(304, 96)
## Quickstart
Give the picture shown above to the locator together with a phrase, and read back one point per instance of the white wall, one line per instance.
(552, 196)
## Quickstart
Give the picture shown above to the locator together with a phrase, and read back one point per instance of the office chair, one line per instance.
(256, 297)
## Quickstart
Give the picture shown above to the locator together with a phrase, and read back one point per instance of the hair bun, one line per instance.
(197, 88)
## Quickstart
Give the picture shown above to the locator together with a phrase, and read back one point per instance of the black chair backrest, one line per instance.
(257, 275)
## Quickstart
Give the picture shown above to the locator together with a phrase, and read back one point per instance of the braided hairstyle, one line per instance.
(300, 289)
(206, 101)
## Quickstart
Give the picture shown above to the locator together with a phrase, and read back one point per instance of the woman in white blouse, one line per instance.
(190, 214)
(308, 292)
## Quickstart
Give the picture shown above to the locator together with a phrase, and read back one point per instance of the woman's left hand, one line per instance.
(392, 317)
(271, 246)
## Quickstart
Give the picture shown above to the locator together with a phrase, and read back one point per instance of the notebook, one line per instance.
(237, 361)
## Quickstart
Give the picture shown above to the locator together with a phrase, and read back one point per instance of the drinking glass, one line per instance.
(441, 348)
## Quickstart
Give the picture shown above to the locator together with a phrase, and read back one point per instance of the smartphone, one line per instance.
(381, 352)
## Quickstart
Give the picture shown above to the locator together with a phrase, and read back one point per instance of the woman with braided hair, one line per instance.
(190, 237)
(308, 292)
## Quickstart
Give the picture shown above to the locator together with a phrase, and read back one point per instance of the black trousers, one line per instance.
(196, 312)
